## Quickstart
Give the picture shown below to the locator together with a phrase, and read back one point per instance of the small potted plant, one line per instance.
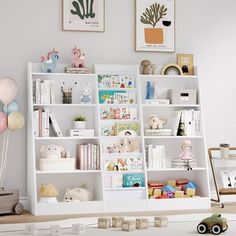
(79, 122)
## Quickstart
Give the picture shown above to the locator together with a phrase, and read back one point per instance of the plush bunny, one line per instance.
(86, 98)
(51, 151)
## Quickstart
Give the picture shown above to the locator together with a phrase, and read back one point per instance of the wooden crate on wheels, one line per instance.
(9, 202)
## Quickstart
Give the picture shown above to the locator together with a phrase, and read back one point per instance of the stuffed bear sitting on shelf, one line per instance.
(77, 194)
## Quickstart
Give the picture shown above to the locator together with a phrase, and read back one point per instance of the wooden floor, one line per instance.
(27, 217)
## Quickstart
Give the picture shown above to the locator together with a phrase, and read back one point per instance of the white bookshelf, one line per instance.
(105, 198)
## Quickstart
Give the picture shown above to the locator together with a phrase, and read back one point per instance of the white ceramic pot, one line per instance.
(79, 124)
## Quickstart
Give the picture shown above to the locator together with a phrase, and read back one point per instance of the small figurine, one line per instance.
(186, 155)
(146, 67)
(48, 193)
(49, 63)
(214, 224)
(86, 98)
(149, 90)
(77, 58)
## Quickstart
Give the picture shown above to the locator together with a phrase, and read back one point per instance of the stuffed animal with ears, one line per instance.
(86, 98)
(155, 122)
(51, 151)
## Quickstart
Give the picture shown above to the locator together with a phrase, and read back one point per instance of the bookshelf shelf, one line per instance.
(113, 149)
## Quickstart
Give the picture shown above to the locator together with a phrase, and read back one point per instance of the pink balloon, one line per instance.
(3, 122)
(8, 90)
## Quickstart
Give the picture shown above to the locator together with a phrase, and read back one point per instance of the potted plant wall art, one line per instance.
(155, 25)
(83, 15)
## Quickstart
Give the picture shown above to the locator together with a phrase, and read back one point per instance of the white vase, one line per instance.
(79, 124)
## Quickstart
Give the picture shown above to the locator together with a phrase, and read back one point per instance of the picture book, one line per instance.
(121, 113)
(127, 129)
(116, 81)
(133, 180)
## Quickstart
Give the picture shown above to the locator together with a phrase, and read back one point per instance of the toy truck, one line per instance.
(9, 202)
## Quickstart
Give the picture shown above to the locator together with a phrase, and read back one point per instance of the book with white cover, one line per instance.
(55, 125)
(36, 123)
(175, 120)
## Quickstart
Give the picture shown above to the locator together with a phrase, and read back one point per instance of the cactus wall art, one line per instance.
(155, 25)
(83, 15)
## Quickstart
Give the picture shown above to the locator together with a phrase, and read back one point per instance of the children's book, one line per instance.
(127, 129)
(133, 180)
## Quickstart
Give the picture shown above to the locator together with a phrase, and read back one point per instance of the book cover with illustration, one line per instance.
(121, 113)
(127, 129)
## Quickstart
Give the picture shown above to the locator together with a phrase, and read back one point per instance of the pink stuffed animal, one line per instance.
(77, 58)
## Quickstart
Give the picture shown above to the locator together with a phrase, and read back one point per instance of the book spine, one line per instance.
(34, 92)
(43, 124)
(38, 91)
(40, 122)
(36, 123)
(47, 91)
(97, 157)
(55, 125)
(52, 95)
(89, 159)
(85, 157)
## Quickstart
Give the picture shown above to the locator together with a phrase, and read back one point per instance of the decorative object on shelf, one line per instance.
(48, 193)
(48, 63)
(155, 25)
(10, 120)
(142, 223)
(146, 67)
(172, 69)
(186, 155)
(104, 223)
(79, 122)
(149, 90)
(77, 194)
(182, 96)
(52, 151)
(66, 96)
(160, 221)
(156, 123)
(84, 15)
(154, 69)
(224, 150)
(214, 224)
(86, 98)
(128, 225)
(185, 61)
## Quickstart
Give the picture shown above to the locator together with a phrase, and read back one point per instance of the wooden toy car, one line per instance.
(214, 224)
(9, 202)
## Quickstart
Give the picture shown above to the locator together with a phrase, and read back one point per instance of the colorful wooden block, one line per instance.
(150, 191)
(160, 221)
(30, 229)
(78, 229)
(128, 225)
(179, 194)
(190, 192)
(117, 222)
(168, 188)
(182, 181)
(164, 196)
(55, 230)
(142, 223)
(104, 223)
(171, 182)
(157, 192)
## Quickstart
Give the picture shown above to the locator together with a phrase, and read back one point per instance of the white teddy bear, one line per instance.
(51, 151)
(155, 122)
(77, 194)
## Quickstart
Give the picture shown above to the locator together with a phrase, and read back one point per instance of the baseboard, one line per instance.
(25, 202)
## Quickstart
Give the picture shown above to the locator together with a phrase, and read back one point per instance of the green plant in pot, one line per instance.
(79, 122)
(152, 16)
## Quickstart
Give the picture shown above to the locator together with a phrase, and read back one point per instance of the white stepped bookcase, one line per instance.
(110, 199)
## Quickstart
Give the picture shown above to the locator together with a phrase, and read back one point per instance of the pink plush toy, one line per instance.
(186, 147)
(77, 58)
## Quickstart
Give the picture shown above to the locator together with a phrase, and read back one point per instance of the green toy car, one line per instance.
(214, 224)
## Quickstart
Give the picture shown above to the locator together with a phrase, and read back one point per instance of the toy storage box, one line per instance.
(60, 164)
(182, 96)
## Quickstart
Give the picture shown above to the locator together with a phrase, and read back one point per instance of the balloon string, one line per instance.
(5, 159)
(2, 158)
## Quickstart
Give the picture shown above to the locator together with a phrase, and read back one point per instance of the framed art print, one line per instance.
(155, 25)
(185, 61)
(83, 15)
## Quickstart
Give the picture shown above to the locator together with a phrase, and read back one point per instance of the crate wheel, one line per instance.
(19, 209)
(222, 205)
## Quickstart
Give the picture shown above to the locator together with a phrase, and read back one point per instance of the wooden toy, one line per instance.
(117, 222)
(55, 230)
(168, 188)
(160, 221)
(171, 182)
(142, 223)
(150, 191)
(182, 181)
(179, 194)
(155, 184)
(104, 223)
(128, 225)
(78, 229)
(163, 196)
(190, 192)
(157, 192)
(30, 229)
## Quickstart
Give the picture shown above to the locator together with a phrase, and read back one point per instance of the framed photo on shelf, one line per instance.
(185, 61)
(226, 180)
(83, 15)
(155, 25)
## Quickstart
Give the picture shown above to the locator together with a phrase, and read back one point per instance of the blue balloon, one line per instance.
(12, 107)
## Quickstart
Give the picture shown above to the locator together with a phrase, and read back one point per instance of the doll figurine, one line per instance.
(186, 155)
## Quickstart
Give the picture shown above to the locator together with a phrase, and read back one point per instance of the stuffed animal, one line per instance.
(48, 193)
(52, 151)
(155, 122)
(49, 63)
(77, 58)
(77, 194)
(86, 98)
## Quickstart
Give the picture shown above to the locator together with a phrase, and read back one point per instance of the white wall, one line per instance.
(30, 28)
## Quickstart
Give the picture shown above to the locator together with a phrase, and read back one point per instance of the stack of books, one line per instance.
(43, 92)
(179, 163)
(76, 70)
(82, 132)
(155, 156)
(88, 157)
(158, 132)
